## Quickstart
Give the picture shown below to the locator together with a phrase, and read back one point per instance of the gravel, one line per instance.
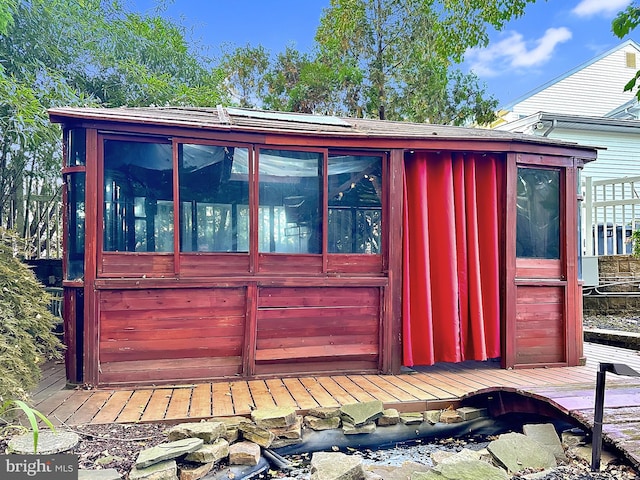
(624, 323)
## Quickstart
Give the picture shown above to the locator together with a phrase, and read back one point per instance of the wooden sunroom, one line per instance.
(213, 243)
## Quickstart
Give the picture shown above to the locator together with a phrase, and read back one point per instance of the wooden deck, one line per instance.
(569, 390)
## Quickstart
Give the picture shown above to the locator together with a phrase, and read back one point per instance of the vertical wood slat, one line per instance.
(157, 406)
(222, 402)
(391, 345)
(509, 307)
(93, 244)
(179, 404)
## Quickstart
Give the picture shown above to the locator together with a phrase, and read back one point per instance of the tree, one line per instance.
(626, 21)
(245, 69)
(70, 53)
(404, 50)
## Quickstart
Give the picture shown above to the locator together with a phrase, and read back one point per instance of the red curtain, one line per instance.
(451, 307)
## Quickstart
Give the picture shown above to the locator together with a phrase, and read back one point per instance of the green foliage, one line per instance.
(26, 338)
(626, 21)
(635, 242)
(8, 411)
(403, 50)
(83, 53)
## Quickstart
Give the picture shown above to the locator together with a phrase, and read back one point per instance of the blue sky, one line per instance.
(553, 36)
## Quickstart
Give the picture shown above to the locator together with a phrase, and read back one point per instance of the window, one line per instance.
(290, 202)
(538, 213)
(75, 183)
(214, 198)
(76, 147)
(355, 205)
(138, 196)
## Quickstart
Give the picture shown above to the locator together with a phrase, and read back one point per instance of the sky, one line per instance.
(550, 39)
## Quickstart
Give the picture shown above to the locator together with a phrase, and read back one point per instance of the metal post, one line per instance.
(598, 414)
(596, 440)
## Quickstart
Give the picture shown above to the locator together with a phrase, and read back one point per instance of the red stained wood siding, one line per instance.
(317, 329)
(354, 264)
(540, 328)
(202, 265)
(131, 264)
(171, 334)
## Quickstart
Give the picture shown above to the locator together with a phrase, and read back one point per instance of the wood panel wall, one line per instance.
(308, 329)
(540, 325)
(168, 334)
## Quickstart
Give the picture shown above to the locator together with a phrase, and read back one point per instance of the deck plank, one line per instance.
(241, 395)
(373, 389)
(403, 390)
(280, 393)
(261, 395)
(61, 414)
(47, 405)
(157, 406)
(336, 391)
(307, 393)
(134, 407)
(112, 408)
(179, 404)
(89, 408)
(356, 391)
(222, 402)
(200, 401)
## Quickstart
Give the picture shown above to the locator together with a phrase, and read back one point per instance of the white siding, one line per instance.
(594, 90)
(620, 159)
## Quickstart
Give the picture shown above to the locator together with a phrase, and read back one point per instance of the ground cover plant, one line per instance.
(26, 324)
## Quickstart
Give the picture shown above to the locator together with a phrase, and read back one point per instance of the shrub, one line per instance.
(26, 324)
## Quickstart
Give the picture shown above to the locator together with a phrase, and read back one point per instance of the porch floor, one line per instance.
(567, 389)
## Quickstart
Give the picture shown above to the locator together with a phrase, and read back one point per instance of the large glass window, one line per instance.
(138, 196)
(76, 147)
(214, 198)
(75, 183)
(538, 213)
(290, 213)
(355, 205)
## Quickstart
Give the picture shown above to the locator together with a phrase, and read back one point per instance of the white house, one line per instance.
(588, 105)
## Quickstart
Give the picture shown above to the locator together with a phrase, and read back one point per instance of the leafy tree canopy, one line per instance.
(626, 21)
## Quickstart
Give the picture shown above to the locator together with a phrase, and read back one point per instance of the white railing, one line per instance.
(611, 214)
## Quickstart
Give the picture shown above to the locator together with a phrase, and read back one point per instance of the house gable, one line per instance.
(594, 88)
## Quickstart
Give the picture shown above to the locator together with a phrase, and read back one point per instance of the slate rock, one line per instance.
(167, 470)
(403, 472)
(518, 452)
(546, 434)
(210, 453)
(358, 414)
(255, 434)
(450, 416)
(293, 431)
(106, 474)
(471, 413)
(194, 473)
(463, 455)
(324, 412)
(276, 417)
(390, 416)
(209, 432)
(167, 451)
(336, 466)
(412, 418)
(463, 470)
(432, 416)
(318, 423)
(244, 453)
(349, 429)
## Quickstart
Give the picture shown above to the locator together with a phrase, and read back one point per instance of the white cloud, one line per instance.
(588, 8)
(513, 52)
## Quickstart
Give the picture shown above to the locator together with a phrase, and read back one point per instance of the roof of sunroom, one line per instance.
(237, 119)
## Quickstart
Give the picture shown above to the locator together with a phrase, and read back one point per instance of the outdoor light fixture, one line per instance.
(596, 441)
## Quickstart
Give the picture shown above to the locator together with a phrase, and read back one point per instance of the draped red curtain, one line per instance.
(451, 308)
